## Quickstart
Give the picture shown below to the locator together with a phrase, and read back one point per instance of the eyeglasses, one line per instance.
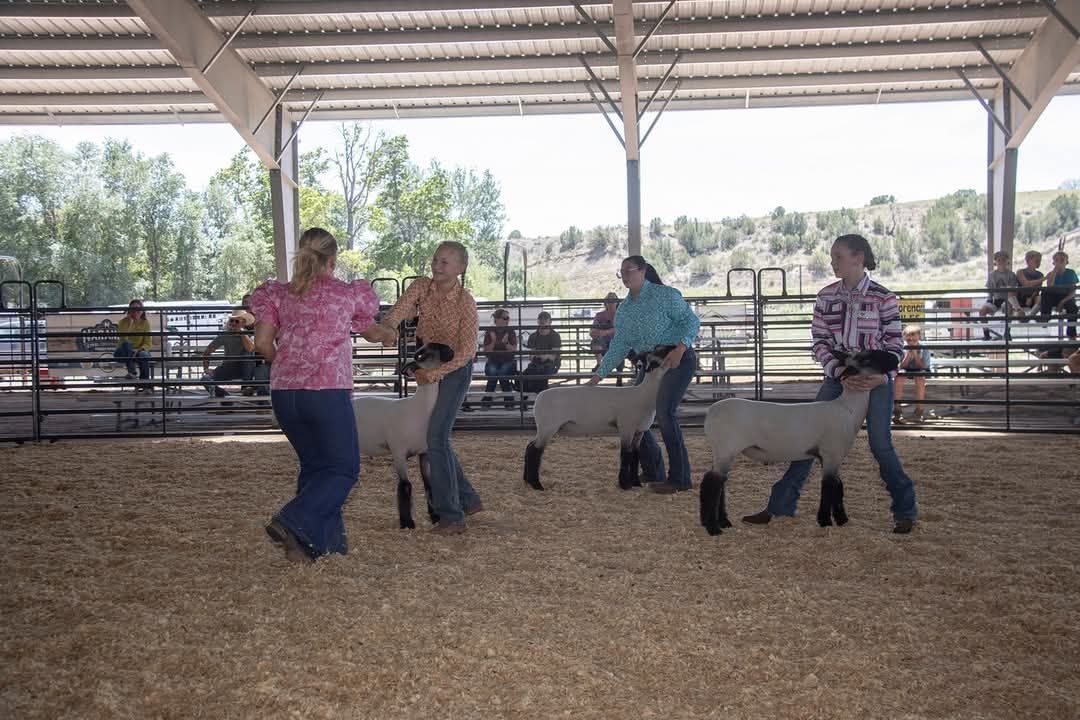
(620, 273)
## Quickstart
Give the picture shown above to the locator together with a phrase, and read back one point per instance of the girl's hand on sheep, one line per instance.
(673, 358)
(593, 380)
(863, 383)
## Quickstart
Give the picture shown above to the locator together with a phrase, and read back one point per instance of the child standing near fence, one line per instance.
(916, 364)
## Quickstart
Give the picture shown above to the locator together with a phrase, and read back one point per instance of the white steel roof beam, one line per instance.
(237, 92)
(499, 90)
(1042, 68)
(439, 36)
(544, 62)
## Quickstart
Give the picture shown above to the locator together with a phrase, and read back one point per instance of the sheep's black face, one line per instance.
(868, 362)
(428, 355)
(652, 359)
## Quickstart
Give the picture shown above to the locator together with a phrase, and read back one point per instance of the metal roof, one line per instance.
(95, 61)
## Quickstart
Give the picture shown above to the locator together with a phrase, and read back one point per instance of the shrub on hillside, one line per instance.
(697, 236)
(729, 238)
(656, 228)
(569, 238)
(882, 199)
(741, 258)
(514, 235)
(907, 249)
(819, 264)
(700, 266)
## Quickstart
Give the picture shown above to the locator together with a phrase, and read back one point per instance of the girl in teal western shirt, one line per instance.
(654, 314)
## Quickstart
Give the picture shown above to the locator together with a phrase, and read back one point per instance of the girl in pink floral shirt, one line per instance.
(304, 330)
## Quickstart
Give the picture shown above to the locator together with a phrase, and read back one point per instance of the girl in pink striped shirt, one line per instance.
(854, 314)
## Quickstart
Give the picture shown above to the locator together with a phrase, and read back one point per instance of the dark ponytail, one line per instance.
(859, 244)
(650, 272)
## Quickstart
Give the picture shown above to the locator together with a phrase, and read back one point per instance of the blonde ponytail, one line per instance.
(317, 250)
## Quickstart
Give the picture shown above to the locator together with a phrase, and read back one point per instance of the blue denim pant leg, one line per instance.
(672, 388)
(785, 492)
(879, 429)
(451, 491)
(321, 427)
(500, 372)
(126, 352)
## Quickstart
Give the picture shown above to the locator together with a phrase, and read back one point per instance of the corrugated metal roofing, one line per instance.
(71, 61)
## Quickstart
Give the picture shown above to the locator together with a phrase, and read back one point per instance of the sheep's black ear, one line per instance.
(632, 356)
(446, 353)
(841, 356)
(409, 369)
(663, 350)
(881, 360)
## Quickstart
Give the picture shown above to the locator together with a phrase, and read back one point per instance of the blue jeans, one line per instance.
(127, 351)
(500, 372)
(672, 388)
(321, 427)
(785, 493)
(451, 491)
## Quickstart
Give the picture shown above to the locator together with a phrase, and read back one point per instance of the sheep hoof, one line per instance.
(715, 528)
(840, 516)
(408, 524)
(824, 520)
(724, 522)
(534, 484)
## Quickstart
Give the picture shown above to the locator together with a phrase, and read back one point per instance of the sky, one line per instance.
(557, 171)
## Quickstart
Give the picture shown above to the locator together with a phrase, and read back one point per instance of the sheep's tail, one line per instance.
(533, 455)
(713, 503)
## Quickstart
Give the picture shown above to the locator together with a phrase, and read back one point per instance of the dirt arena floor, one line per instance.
(138, 583)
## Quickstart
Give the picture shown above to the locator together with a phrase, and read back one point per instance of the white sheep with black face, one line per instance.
(398, 426)
(599, 410)
(775, 432)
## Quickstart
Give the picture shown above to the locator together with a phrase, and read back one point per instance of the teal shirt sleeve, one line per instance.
(616, 351)
(684, 323)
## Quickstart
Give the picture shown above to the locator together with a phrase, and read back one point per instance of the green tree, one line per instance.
(882, 199)
(362, 160)
(514, 235)
(729, 238)
(656, 228)
(412, 216)
(476, 201)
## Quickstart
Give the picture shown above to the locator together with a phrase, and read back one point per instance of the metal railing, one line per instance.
(59, 377)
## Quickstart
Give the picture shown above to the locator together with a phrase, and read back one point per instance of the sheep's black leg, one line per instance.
(425, 474)
(713, 513)
(404, 504)
(635, 461)
(832, 496)
(533, 455)
(627, 466)
(838, 512)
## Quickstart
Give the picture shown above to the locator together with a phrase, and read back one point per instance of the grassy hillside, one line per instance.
(926, 244)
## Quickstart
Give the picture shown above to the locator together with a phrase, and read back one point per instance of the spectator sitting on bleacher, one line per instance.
(547, 360)
(916, 364)
(500, 344)
(602, 330)
(133, 331)
(1000, 277)
(238, 347)
(1031, 279)
(260, 372)
(1059, 293)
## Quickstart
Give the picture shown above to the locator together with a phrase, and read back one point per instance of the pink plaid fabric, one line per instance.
(314, 346)
(866, 318)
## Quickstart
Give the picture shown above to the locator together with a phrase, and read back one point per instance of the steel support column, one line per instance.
(1000, 180)
(285, 193)
(626, 44)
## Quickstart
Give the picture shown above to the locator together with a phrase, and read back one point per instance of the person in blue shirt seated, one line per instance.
(654, 314)
(1059, 295)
